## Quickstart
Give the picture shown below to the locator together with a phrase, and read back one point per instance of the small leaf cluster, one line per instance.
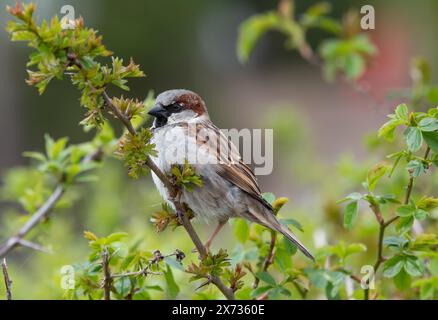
(406, 262)
(134, 149)
(130, 268)
(212, 265)
(185, 176)
(420, 127)
(347, 52)
(164, 218)
(59, 51)
(63, 162)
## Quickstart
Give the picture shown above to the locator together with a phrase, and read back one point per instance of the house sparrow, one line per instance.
(182, 131)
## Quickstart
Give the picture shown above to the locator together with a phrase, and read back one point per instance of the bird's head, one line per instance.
(176, 106)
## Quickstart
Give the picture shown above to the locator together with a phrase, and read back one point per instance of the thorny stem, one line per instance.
(384, 224)
(8, 281)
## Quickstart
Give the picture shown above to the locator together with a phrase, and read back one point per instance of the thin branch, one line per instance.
(146, 270)
(107, 281)
(409, 190)
(8, 281)
(34, 246)
(39, 215)
(269, 259)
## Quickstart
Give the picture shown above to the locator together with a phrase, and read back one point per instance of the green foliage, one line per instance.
(347, 53)
(262, 264)
(72, 51)
(64, 163)
(130, 269)
(186, 177)
(133, 149)
(409, 248)
(212, 265)
(348, 56)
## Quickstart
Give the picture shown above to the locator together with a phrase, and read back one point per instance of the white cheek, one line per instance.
(182, 116)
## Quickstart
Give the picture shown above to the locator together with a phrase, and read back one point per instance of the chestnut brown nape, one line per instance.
(188, 99)
(193, 102)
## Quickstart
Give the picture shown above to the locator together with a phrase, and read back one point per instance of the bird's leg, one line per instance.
(214, 234)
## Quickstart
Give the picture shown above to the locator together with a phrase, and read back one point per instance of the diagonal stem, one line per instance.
(384, 224)
(8, 281)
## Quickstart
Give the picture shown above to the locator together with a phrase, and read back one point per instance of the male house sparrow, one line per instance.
(183, 131)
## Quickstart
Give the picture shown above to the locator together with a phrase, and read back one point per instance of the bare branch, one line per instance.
(8, 281)
(39, 215)
(34, 246)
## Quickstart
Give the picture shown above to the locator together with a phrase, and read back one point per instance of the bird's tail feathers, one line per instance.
(270, 221)
(292, 238)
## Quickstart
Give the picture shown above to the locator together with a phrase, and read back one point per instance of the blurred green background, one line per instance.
(318, 127)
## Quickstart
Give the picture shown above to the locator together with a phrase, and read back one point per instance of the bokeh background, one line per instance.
(319, 127)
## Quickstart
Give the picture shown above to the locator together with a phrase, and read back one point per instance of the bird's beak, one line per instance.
(158, 111)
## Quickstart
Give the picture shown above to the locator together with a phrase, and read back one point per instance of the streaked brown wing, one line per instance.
(231, 167)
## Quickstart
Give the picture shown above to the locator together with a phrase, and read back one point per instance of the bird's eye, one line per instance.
(175, 107)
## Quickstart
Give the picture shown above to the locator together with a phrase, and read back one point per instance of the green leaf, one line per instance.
(35, 155)
(259, 291)
(397, 242)
(375, 173)
(241, 230)
(393, 266)
(405, 224)
(426, 291)
(355, 248)
(415, 168)
(293, 223)
(123, 286)
(354, 66)
(414, 138)
(355, 196)
(317, 277)
(282, 259)
(427, 203)
(56, 148)
(405, 210)
(350, 215)
(269, 197)
(402, 112)
(402, 280)
(421, 214)
(413, 266)
(431, 139)
(428, 124)
(290, 248)
(388, 129)
(116, 236)
(251, 30)
(172, 287)
(266, 277)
